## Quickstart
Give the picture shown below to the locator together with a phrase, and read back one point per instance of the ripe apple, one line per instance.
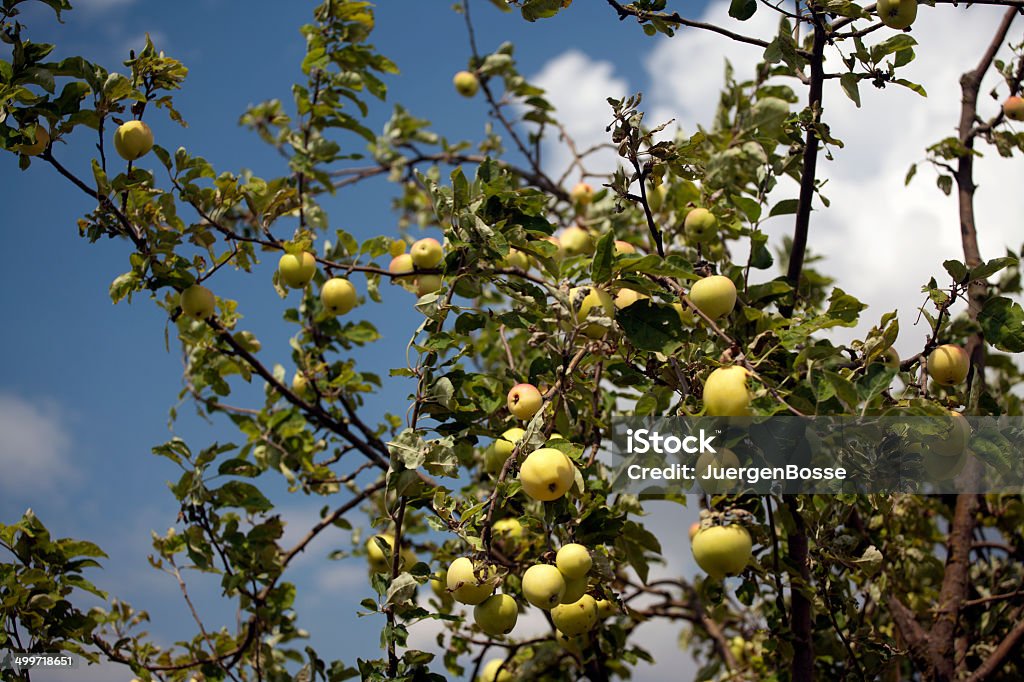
(627, 297)
(42, 140)
(686, 316)
(891, 358)
(426, 253)
(198, 302)
(582, 194)
(516, 259)
(466, 83)
(133, 140)
(524, 401)
(439, 584)
(547, 474)
(606, 608)
(338, 296)
(397, 247)
(573, 560)
(948, 364)
(428, 284)
(715, 296)
(509, 528)
(496, 615)
(499, 451)
(543, 586)
(575, 588)
(576, 618)
(724, 458)
(297, 271)
(726, 393)
(694, 529)
(700, 225)
(301, 387)
(400, 266)
(583, 301)
(574, 645)
(493, 672)
(954, 442)
(1013, 108)
(576, 241)
(622, 248)
(722, 550)
(899, 14)
(381, 562)
(469, 586)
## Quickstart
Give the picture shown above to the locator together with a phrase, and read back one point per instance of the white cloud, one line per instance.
(35, 447)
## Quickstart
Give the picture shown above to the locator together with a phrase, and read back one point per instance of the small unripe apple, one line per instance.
(726, 393)
(516, 259)
(891, 358)
(338, 296)
(573, 560)
(686, 316)
(379, 561)
(622, 248)
(1013, 108)
(496, 615)
(582, 194)
(954, 442)
(428, 284)
(724, 458)
(948, 364)
(700, 225)
(301, 386)
(543, 586)
(576, 618)
(493, 672)
(426, 253)
(466, 83)
(198, 302)
(575, 588)
(499, 451)
(584, 300)
(297, 271)
(547, 474)
(715, 296)
(42, 137)
(722, 550)
(524, 401)
(133, 140)
(627, 297)
(899, 14)
(467, 586)
(576, 241)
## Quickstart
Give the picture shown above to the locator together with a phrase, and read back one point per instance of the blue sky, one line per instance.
(86, 386)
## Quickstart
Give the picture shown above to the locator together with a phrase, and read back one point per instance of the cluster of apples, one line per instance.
(547, 473)
(132, 140)
(425, 254)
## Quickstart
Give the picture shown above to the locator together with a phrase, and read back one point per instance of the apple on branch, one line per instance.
(426, 253)
(722, 550)
(338, 296)
(948, 364)
(524, 401)
(133, 140)
(1013, 108)
(42, 141)
(543, 586)
(715, 296)
(296, 271)
(726, 393)
(466, 83)
(898, 14)
(198, 302)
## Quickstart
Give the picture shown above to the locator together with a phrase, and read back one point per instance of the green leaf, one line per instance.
(601, 268)
(651, 327)
(785, 207)
(992, 267)
(849, 82)
(742, 9)
(956, 270)
(1002, 323)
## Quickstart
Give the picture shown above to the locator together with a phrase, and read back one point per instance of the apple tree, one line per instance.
(554, 302)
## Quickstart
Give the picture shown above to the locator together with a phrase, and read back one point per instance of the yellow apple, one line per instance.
(606, 608)
(301, 386)
(133, 140)
(582, 194)
(338, 296)
(397, 248)
(700, 225)
(524, 401)
(948, 364)
(466, 83)
(547, 474)
(439, 585)
(574, 588)
(574, 645)
(622, 248)
(686, 315)
(198, 302)
(496, 615)
(576, 241)
(575, 618)
(724, 458)
(515, 259)
(494, 672)
(381, 562)
(559, 254)
(715, 296)
(426, 253)
(467, 585)
(509, 528)
(499, 451)
(898, 14)
(627, 297)
(428, 284)
(722, 550)
(891, 358)
(954, 442)
(1013, 108)
(543, 586)
(573, 560)
(726, 393)
(401, 268)
(42, 141)
(587, 300)
(297, 271)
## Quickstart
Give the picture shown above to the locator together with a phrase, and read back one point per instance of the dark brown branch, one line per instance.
(800, 603)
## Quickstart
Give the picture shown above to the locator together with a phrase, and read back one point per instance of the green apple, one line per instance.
(426, 253)
(622, 248)
(499, 451)
(428, 284)
(515, 259)
(468, 585)
(587, 300)
(543, 586)
(524, 401)
(939, 467)
(1013, 108)
(722, 550)
(297, 271)
(573, 560)
(715, 296)
(582, 194)
(576, 618)
(686, 316)
(466, 83)
(198, 302)
(954, 442)
(301, 386)
(891, 358)
(496, 615)
(576, 241)
(574, 645)
(726, 393)
(627, 297)
(509, 528)
(439, 585)
(724, 458)
(494, 672)
(574, 588)
(898, 14)
(700, 225)
(133, 140)
(379, 561)
(948, 364)
(42, 141)
(338, 296)
(547, 474)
